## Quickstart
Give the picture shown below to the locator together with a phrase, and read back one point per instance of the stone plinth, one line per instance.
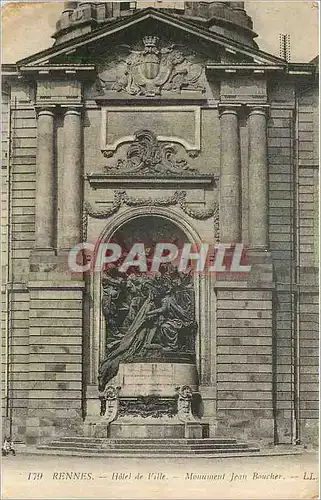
(147, 428)
(153, 400)
(161, 379)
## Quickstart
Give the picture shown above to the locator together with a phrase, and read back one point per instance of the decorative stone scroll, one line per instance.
(146, 155)
(184, 404)
(109, 402)
(178, 198)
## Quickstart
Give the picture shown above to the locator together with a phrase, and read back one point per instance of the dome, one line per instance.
(224, 18)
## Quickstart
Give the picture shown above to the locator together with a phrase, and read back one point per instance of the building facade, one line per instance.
(160, 124)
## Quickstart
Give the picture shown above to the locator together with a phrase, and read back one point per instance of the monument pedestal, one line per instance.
(147, 400)
(159, 428)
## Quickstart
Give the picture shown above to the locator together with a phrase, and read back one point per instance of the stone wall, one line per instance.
(22, 226)
(281, 235)
(55, 359)
(4, 212)
(308, 245)
(23, 120)
(23, 172)
(244, 363)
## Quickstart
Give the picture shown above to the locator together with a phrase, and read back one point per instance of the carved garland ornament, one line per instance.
(148, 406)
(178, 198)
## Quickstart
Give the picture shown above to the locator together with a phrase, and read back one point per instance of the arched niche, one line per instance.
(205, 344)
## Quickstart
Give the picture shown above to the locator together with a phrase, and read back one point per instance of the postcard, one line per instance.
(160, 250)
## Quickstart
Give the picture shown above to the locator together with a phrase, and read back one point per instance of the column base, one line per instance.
(76, 262)
(43, 260)
(49, 260)
(65, 250)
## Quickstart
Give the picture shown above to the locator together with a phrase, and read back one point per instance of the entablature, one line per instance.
(103, 180)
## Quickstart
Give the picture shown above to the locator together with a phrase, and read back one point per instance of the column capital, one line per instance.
(45, 110)
(258, 109)
(72, 109)
(231, 109)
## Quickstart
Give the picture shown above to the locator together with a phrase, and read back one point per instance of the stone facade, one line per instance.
(244, 124)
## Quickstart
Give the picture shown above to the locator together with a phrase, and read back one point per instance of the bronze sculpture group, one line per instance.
(147, 316)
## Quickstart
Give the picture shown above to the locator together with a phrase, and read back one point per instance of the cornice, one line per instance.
(296, 69)
(97, 180)
(58, 70)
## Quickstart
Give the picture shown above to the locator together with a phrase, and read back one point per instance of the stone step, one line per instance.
(172, 456)
(145, 446)
(154, 452)
(77, 439)
(131, 447)
(71, 444)
(80, 438)
(176, 447)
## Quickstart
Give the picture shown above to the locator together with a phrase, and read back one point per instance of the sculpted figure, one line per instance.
(184, 403)
(109, 402)
(171, 319)
(113, 305)
(144, 312)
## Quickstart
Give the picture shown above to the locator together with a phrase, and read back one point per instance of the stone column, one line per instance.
(45, 187)
(71, 195)
(230, 177)
(258, 179)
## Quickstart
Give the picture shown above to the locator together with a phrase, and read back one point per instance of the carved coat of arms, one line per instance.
(155, 68)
